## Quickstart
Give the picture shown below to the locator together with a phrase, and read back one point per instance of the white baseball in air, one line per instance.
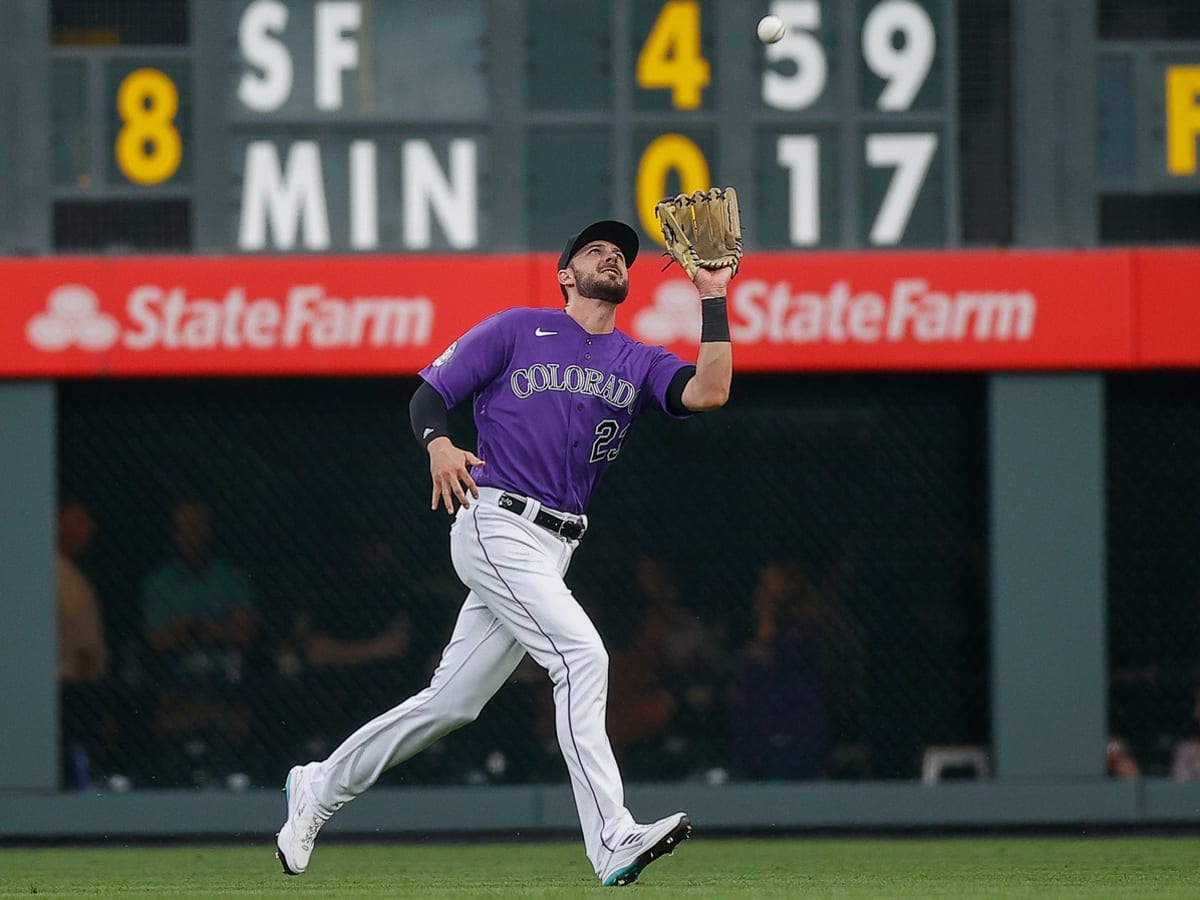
(770, 29)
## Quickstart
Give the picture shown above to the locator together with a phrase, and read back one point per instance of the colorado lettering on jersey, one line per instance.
(616, 392)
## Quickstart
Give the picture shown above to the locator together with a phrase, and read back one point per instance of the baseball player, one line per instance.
(555, 392)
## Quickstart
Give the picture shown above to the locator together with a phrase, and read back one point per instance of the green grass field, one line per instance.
(960, 868)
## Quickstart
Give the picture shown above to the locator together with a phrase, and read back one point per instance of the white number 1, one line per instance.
(800, 154)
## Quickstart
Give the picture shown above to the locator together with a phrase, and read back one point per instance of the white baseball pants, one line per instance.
(518, 603)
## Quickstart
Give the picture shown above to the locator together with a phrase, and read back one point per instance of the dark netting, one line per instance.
(1125, 20)
(1153, 439)
(985, 122)
(792, 587)
(92, 23)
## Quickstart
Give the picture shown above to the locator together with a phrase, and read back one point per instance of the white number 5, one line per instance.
(803, 88)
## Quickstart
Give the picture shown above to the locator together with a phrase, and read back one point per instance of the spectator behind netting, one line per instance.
(1119, 759)
(357, 646)
(641, 710)
(201, 624)
(1185, 754)
(780, 715)
(684, 657)
(88, 724)
(82, 649)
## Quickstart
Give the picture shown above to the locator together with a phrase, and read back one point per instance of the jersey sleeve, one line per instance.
(472, 361)
(663, 367)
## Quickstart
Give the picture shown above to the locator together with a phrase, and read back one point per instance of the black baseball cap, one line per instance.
(607, 230)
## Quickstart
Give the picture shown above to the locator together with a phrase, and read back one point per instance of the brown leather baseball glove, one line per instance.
(702, 230)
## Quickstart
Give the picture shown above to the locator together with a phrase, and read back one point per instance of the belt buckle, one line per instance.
(560, 523)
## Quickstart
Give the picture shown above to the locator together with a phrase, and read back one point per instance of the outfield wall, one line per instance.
(500, 811)
(1048, 668)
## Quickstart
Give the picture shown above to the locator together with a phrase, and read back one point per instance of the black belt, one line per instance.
(570, 528)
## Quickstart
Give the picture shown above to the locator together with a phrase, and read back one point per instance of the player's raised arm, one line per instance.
(703, 233)
(449, 466)
(709, 387)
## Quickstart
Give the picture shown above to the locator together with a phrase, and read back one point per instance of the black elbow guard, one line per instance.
(427, 413)
(675, 391)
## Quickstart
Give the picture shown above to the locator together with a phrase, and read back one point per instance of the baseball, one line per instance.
(770, 29)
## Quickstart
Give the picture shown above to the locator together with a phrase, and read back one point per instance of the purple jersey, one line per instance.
(553, 403)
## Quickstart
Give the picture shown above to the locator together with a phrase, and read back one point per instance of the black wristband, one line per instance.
(715, 320)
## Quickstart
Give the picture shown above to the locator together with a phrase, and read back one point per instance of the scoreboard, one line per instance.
(409, 126)
(414, 126)
(323, 186)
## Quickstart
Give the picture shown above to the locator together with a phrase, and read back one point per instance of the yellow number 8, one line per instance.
(148, 146)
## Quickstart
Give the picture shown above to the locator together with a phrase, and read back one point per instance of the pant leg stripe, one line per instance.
(570, 726)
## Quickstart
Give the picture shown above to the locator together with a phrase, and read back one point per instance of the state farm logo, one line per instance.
(72, 316)
(167, 318)
(675, 315)
(761, 312)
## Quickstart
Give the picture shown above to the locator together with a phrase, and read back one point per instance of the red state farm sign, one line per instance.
(964, 310)
(1167, 292)
(877, 311)
(245, 316)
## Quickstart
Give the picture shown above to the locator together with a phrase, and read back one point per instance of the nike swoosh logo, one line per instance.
(538, 331)
(428, 432)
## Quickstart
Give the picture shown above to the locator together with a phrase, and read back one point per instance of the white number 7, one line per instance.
(911, 154)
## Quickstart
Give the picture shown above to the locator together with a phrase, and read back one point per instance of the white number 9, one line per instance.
(903, 68)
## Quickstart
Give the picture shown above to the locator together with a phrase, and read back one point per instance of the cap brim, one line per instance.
(607, 230)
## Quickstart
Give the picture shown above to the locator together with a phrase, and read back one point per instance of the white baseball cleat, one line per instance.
(642, 846)
(305, 816)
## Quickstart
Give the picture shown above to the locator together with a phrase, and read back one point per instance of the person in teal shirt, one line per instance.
(199, 610)
(201, 623)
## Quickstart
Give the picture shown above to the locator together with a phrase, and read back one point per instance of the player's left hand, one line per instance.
(450, 468)
(713, 282)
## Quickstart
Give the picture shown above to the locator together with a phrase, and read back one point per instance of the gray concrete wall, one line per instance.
(256, 815)
(28, 661)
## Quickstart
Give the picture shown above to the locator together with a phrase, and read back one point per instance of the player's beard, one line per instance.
(597, 286)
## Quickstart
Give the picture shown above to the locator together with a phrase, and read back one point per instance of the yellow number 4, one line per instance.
(148, 146)
(671, 56)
